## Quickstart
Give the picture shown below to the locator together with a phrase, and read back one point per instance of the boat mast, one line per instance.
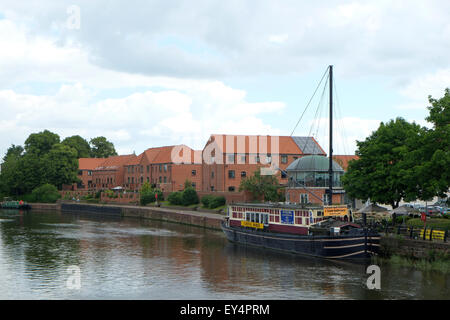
(330, 170)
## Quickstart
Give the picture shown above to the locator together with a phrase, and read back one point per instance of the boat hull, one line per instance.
(359, 246)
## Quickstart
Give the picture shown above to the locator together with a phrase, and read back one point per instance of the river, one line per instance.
(125, 258)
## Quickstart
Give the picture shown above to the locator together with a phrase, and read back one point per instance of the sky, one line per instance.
(153, 73)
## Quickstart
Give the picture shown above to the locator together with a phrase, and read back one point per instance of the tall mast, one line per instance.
(330, 170)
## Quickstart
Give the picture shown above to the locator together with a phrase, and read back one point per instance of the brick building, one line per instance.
(227, 159)
(86, 166)
(166, 168)
(173, 165)
(110, 173)
(219, 167)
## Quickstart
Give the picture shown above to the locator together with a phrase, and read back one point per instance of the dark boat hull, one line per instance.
(355, 246)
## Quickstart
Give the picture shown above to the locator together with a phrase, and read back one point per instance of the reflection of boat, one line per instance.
(322, 231)
(8, 203)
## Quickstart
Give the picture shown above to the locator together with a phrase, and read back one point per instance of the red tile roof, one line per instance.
(89, 163)
(286, 144)
(164, 154)
(135, 161)
(115, 162)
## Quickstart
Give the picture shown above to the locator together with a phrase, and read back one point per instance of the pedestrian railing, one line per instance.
(429, 234)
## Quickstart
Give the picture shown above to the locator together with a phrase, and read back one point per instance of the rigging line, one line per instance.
(318, 85)
(320, 108)
(315, 116)
(338, 110)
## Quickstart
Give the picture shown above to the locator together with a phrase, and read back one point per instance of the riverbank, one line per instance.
(420, 254)
(183, 216)
(402, 251)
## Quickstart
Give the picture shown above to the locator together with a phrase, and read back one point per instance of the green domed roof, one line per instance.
(313, 163)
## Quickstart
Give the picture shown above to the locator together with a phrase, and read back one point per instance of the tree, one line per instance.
(41, 143)
(78, 143)
(60, 165)
(433, 165)
(45, 193)
(385, 171)
(189, 196)
(258, 185)
(102, 148)
(13, 151)
(9, 174)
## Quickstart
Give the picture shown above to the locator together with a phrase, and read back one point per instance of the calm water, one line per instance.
(137, 259)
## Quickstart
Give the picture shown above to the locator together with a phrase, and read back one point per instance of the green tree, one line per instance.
(78, 143)
(189, 196)
(385, 171)
(102, 148)
(13, 151)
(60, 165)
(46, 193)
(9, 173)
(433, 156)
(30, 172)
(258, 185)
(41, 143)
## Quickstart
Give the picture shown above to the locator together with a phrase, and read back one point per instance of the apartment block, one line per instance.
(227, 159)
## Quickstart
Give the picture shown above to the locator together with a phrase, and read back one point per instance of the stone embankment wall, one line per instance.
(410, 248)
(45, 206)
(201, 219)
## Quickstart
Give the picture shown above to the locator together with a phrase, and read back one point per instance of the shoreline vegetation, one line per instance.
(436, 262)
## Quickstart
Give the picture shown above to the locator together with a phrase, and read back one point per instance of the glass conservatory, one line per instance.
(312, 171)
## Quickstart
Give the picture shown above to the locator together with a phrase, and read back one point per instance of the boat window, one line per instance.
(257, 217)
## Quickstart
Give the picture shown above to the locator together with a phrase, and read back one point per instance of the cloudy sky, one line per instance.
(152, 73)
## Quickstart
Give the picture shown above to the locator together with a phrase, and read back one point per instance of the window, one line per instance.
(142, 179)
(132, 169)
(231, 189)
(231, 158)
(212, 188)
(132, 179)
(243, 159)
(160, 179)
(160, 167)
(257, 159)
(243, 174)
(80, 172)
(148, 169)
(89, 173)
(128, 169)
(193, 185)
(284, 158)
(283, 175)
(212, 174)
(194, 172)
(269, 158)
(165, 168)
(231, 174)
(304, 198)
(165, 179)
(148, 179)
(128, 179)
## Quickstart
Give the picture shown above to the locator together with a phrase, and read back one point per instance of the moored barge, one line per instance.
(326, 232)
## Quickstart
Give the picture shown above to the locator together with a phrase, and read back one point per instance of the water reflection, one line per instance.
(144, 259)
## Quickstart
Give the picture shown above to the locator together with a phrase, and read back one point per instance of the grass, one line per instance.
(436, 223)
(440, 264)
